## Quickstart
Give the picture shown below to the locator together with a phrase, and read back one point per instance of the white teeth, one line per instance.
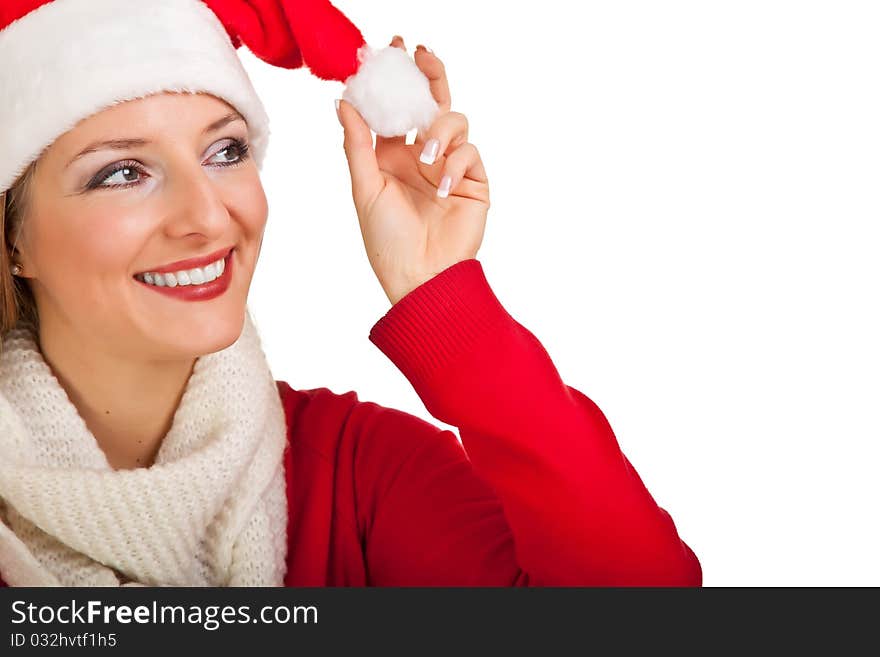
(197, 276)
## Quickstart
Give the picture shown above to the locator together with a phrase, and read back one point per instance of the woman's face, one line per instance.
(97, 221)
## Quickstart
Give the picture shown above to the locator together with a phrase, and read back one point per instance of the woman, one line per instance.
(143, 439)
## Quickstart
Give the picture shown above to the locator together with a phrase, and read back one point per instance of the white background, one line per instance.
(684, 212)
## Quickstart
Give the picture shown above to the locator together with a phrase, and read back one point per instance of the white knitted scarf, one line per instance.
(211, 510)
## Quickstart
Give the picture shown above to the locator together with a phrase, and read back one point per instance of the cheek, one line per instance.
(248, 202)
(90, 245)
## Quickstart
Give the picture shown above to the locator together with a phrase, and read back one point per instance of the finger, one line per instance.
(435, 71)
(462, 165)
(450, 129)
(383, 142)
(366, 178)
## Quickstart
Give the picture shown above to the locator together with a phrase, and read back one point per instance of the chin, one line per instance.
(221, 334)
(207, 337)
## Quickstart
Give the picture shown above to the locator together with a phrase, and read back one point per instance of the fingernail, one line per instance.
(443, 189)
(429, 152)
(338, 115)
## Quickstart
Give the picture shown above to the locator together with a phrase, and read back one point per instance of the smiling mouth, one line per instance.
(212, 281)
(186, 276)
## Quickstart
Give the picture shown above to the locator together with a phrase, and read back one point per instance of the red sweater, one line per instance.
(539, 494)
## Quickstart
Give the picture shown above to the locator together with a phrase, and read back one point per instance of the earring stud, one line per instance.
(15, 269)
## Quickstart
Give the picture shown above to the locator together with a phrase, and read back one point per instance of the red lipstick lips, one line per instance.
(202, 292)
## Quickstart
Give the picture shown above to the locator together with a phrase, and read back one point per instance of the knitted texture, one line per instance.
(211, 510)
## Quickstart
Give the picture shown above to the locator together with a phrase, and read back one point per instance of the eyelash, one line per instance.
(243, 154)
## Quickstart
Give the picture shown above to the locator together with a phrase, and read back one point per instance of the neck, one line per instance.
(127, 404)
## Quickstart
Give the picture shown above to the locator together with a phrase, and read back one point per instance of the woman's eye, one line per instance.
(122, 176)
(233, 153)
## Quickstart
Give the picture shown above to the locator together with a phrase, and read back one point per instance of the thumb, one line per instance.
(366, 178)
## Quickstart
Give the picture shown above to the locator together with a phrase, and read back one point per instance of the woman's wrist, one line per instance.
(401, 286)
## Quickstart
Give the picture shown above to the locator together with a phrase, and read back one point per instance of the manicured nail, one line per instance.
(338, 116)
(443, 189)
(429, 152)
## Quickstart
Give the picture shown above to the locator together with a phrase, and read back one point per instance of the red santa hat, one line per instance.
(64, 60)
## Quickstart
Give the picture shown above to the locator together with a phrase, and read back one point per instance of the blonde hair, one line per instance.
(16, 299)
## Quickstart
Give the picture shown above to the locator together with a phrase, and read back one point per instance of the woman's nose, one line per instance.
(198, 206)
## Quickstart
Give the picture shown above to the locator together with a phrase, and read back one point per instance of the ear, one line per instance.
(14, 248)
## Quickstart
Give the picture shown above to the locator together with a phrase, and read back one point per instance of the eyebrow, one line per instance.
(122, 144)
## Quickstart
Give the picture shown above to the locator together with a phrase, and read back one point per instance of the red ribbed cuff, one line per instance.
(438, 321)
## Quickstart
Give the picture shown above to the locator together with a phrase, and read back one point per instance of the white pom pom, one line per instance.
(390, 92)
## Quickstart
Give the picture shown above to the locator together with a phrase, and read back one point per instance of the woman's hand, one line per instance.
(412, 230)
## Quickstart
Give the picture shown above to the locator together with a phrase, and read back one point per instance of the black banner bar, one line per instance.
(543, 621)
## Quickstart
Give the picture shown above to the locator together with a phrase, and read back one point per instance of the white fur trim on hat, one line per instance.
(390, 92)
(69, 59)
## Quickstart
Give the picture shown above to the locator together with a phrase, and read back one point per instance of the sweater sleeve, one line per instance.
(573, 509)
